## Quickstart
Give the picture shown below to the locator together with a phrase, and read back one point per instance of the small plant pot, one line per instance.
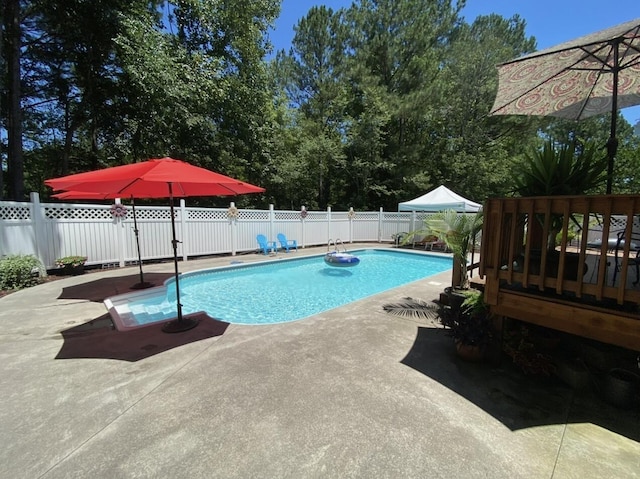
(469, 352)
(70, 270)
(596, 357)
(574, 373)
(455, 297)
(621, 388)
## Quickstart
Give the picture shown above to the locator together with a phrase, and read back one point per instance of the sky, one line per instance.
(549, 21)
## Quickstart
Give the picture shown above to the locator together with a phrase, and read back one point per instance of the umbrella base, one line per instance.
(142, 285)
(178, 326)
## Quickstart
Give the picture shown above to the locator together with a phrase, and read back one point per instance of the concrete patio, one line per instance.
(352, 392)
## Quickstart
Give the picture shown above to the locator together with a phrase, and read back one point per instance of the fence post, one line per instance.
(233, 220)
(328, 224)
(350, 216)
(183, 228)
(380, 219)
(272, 220)
(119, 224)
(303, 215)
(37, 225)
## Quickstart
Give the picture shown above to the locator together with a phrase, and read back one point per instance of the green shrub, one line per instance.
(18, 271)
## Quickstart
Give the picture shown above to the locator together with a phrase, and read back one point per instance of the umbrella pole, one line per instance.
(142, 284)
(612, 144)
(180, 323)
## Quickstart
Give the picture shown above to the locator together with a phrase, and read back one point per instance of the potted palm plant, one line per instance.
(557, 169)
(458, 231)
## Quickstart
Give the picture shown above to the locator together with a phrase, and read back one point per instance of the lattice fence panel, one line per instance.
(617, 223)
(316, 216)
(253, 215)
(77, 212)
(207, 214)
(152, 214)
(287, 215)
(15, 212)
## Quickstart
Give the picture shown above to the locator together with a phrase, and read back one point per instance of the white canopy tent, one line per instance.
(440, 199)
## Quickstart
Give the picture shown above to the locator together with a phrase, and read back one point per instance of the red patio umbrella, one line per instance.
(85, 195)
(157, 178)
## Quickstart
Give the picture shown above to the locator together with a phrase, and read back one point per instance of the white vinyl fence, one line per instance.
(54, 230)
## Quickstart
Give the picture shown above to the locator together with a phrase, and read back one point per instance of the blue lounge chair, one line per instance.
(266, 246)
(287, 244)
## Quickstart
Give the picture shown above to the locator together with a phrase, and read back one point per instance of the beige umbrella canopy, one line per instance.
(595, 74)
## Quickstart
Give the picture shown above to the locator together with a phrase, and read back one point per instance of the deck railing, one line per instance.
(534, 272)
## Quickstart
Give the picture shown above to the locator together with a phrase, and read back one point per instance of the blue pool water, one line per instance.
(287, 290)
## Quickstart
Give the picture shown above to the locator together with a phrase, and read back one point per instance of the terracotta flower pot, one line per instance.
(469, 352)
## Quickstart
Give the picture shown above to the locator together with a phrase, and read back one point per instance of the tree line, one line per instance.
(372, 105)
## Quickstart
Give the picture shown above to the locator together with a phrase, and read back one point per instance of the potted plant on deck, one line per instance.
(71, 265)
(469, 325)
(557, 169)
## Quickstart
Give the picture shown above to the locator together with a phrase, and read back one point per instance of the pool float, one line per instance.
(335, 258)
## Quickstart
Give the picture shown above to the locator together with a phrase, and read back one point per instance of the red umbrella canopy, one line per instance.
(155, 178)
(81, 195)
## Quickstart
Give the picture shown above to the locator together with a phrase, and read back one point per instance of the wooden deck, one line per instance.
(582, 287)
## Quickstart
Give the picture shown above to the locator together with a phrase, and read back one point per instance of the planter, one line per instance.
(455, 297)
(469, 352)
(70, 270)
(621, 388)
(597, 357)
(574, 373)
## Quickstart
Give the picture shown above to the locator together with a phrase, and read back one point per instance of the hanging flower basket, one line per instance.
(118, 211)
(351, 214)
(303, 214)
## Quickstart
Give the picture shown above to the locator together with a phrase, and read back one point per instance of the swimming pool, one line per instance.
(275, 291)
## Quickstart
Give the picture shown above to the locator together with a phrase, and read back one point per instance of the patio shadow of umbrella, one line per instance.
(100, 289)
(516, 400)
(97, 340)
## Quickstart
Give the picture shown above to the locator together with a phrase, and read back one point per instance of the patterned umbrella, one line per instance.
(156, 178)
(595, 74)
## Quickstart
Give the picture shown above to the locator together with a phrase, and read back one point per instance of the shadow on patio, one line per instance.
(98, 339)
(516, 400)
(99, 289)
